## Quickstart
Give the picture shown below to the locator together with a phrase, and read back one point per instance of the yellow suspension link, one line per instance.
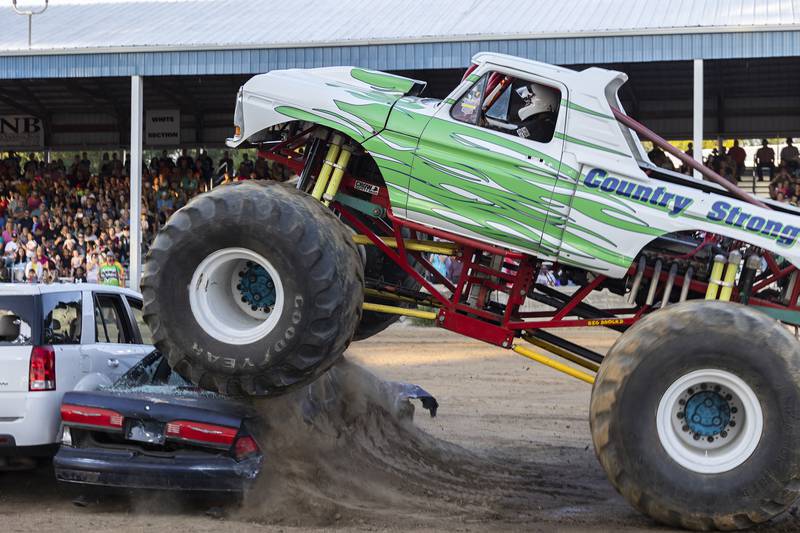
(561, 352)
(434, 247)
(398, 298)
(390, 309)
(561, 367)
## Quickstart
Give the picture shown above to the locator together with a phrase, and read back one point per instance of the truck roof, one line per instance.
(44, 288)
(546, 69)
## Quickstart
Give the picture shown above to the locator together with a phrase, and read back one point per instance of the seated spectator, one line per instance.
(765, 161)
(738, 155)
(789, 154)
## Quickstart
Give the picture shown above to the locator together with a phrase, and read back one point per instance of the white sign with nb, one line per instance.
(162, 126)
(21, 131)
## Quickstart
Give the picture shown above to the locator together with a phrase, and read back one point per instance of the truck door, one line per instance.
(483, 169)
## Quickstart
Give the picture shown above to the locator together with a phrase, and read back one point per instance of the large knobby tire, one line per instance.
(695, 416)
(252, 289)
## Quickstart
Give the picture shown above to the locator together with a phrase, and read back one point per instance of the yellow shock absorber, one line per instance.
(715, 280)
(327, 167)
(734, 258)
(336, 179)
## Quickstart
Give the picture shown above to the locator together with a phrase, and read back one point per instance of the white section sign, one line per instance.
(21, 131)
(162, 126)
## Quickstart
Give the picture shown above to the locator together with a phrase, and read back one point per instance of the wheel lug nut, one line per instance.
(734, 410)
(710, 439)
(680, 414)
(732, 423)
(723, 434)
(685, 428)
(690, 391)
(703, 386)
(696, 437)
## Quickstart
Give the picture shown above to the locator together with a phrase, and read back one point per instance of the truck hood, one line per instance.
(353, 100)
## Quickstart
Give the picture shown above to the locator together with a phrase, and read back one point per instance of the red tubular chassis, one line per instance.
(471, 305)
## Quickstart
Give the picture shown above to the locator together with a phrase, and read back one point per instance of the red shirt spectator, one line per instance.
(737, 153)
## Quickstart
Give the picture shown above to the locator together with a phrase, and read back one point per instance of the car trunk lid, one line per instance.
(158, 419)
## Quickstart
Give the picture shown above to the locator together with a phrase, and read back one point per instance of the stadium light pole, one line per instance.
(697, 114)
(137, 100)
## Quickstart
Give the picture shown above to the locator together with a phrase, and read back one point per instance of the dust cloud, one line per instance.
(346, 450)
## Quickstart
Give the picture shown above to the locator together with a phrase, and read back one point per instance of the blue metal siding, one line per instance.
(562, 51)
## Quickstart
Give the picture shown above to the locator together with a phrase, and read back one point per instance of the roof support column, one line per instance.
(137, 101)
(697, 114)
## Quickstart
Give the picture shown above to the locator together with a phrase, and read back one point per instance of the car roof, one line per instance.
(48, 288)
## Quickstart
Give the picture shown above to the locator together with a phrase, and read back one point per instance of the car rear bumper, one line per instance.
(130, 469)
(30, 419)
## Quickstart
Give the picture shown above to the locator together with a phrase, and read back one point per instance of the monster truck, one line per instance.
(258, 287)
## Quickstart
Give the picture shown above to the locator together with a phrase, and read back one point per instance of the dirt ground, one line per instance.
(509, 450)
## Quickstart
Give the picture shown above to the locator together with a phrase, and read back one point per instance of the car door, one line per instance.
(143, 335)
(475, 176)
(115, 348)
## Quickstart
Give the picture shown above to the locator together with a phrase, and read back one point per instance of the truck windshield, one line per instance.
(18, 322)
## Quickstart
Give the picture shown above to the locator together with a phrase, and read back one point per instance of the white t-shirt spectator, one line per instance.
(11, 247)
(36, 267)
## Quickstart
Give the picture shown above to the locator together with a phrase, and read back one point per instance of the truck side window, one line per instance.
(466, 109)
(510, 105)
(110, 324)
(144, 329)
(62, 317)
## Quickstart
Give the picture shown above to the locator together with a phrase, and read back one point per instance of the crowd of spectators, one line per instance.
(782, 173)
(69, 221)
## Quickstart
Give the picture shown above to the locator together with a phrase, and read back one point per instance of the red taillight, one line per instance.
(42, 369)
(201, 433)
(91, 416)
(245, 447)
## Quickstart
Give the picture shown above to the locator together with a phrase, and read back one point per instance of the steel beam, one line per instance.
(697, 114)
(137, 101)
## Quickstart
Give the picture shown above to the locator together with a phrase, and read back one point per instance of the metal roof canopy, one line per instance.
(196, 37)
(744, 98)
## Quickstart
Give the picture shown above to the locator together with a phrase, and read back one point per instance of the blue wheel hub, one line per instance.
(707, 413)
(256, 287)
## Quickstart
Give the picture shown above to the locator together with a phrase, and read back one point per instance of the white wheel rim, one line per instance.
(717, 450)
(216, 302)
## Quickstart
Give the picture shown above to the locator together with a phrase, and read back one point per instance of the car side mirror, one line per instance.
(9, 327)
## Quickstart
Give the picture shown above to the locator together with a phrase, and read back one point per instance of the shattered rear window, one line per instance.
(18, 320)
(152, 375)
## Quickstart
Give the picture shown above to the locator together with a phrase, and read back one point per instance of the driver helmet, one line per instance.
(538, 99)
